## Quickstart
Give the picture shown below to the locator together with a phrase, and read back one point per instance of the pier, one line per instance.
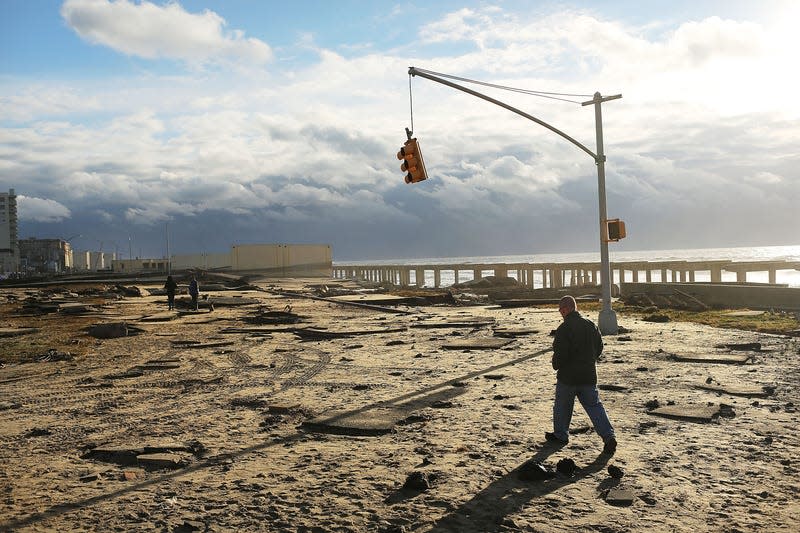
(559, 275)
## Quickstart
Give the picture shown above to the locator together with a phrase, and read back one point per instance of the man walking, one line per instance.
(171, 286)
(194, 291)
(577, 345)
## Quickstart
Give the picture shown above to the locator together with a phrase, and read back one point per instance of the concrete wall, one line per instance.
(270, 259)
(284, 259)
(723, 295)
(201, 261)
(139, 265)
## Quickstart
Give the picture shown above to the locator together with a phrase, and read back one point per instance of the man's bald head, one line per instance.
(567, 305)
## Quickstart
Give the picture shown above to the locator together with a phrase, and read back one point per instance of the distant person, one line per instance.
(194, 291)
(576, 347)
(171, 286)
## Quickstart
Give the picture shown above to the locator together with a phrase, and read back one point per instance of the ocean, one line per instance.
(757, 253)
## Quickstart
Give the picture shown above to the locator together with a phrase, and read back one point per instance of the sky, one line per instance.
(143, 127)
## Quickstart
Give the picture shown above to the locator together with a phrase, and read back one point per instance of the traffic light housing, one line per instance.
(412, 165)
(615, 230)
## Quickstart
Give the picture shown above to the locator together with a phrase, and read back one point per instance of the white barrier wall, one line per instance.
(201, 261)
(284, 259)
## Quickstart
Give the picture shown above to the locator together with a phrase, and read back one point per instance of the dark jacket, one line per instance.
(171, 285)
(576, 347)
(194, 288)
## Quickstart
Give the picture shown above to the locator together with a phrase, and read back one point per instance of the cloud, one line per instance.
(309, 152)
(150, 31)
(41, 209)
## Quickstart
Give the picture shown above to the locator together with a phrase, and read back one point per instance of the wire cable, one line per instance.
(543, 94)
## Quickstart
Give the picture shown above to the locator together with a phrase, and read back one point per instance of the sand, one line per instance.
(209, 423)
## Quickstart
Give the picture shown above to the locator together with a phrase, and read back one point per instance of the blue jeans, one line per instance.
(590, 400)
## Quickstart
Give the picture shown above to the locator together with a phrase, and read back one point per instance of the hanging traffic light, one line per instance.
(413, 165)
(615, 230)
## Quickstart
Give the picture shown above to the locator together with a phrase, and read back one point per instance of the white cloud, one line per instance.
(318, 143)
(41, 209)
(151, 31)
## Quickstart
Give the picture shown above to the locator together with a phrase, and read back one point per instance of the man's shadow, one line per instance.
(486, 511)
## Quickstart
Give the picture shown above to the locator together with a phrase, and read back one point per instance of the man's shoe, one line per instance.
(610, 447)
(551, 437)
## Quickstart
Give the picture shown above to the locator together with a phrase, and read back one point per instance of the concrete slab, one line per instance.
(692, 413)
(620, 497)
(514, 332)
(741, 346)
(121, 455)
(158, 366)
(463, 323)
(323, 334)
(375, 421)
(159, 461)
(374, 299)
(378, 419)
(722, 358)
(164, 316)
(200, 345)
(233, 301)
(477, 343)
(748, 391)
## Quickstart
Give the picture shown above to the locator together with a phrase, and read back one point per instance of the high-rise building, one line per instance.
(9, 247)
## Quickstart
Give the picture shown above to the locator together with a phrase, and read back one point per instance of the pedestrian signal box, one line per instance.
(413, 165)
(615, 230)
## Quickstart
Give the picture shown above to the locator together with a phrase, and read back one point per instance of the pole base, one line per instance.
(608, 322)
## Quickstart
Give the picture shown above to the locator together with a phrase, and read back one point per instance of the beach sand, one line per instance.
(208, 422)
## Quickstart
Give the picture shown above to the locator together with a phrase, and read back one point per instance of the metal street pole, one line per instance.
(607, 321)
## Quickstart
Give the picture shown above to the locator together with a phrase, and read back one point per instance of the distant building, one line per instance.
(278, 260)
(87, 260)
(9, 249)
(81, 261)
(52, 256)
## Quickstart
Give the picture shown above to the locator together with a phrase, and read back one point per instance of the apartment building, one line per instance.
(45, 256)
(9, 249)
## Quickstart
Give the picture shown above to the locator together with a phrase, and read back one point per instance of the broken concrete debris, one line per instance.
(148, 457)
(113, 330)
(620, 497)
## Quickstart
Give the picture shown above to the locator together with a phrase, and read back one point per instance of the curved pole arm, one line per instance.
(413, 71)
